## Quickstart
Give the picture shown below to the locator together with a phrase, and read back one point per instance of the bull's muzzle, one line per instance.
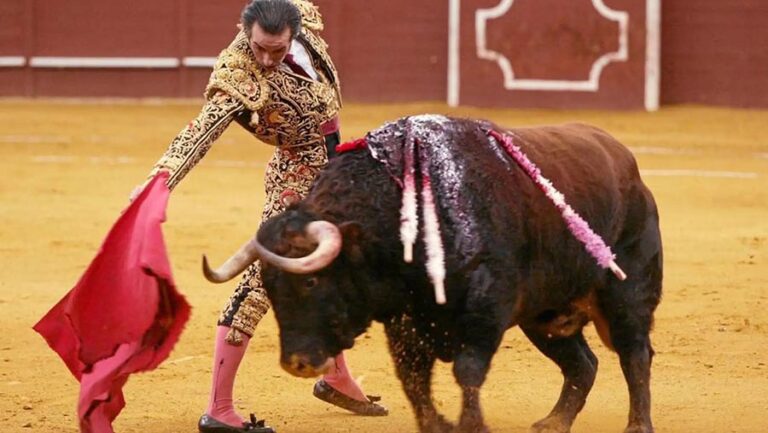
(301, 366)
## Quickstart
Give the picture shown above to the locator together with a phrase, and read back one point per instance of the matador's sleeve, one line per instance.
(235, 85)
(194, 141)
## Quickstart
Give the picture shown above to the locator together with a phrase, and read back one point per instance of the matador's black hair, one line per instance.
(273, 16)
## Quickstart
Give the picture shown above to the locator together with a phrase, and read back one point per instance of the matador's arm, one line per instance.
(194, 141)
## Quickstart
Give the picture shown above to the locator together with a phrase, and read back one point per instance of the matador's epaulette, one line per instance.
(310, 15)
(236, 74)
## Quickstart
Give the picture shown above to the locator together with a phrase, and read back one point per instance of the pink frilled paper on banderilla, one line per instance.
(124, 315)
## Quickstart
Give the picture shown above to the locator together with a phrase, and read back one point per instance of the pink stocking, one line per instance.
(341, 380)
(226, 360)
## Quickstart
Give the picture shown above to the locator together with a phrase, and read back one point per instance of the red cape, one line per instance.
(124, 315)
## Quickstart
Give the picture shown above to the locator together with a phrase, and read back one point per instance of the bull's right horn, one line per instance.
(327, 236)
(236, 264)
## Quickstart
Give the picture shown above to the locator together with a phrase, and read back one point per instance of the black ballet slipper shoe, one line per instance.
(327, 393)
(208, 424)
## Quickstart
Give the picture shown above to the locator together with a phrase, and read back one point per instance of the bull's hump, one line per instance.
(429, 119)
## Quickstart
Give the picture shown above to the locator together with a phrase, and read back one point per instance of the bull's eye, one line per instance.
(310, 282)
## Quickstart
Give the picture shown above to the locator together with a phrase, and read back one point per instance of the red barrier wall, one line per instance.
(15, 39)
(712, 51)
(391, 51)
(553, 53)
(715, 52)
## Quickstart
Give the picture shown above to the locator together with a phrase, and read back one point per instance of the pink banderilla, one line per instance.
(580, 229)
(593, 243)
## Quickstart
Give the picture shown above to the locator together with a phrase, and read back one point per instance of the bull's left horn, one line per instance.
(326, 235)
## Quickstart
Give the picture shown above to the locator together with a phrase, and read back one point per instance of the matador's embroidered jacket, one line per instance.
(278, 107)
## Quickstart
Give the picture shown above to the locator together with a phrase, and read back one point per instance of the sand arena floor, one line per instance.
(68, 168)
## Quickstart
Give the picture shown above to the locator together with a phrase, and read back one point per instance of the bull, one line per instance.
(334, 262)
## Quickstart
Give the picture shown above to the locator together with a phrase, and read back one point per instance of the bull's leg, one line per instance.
(480, 330)
(579, 367)
(636, 364)
(471, 420)
(629, 331)
(414, 358)
(470, 369)
(628, 307)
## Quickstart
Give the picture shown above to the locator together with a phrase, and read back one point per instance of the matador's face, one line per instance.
(268, 49)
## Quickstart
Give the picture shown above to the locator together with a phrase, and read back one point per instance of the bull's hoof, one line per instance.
(475, 428)
(639, 428)
(471, 424)
(437, 424)
(550, 425)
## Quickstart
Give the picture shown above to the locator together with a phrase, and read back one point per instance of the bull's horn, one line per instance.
(328, 238)
(326, 235)
(236, 264)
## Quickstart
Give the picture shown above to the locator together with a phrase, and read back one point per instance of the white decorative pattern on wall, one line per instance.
(591, 84)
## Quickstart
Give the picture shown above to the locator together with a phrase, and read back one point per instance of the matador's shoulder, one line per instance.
(237, 74)
(310, 15)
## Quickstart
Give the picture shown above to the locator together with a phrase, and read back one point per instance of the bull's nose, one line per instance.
(301, 366)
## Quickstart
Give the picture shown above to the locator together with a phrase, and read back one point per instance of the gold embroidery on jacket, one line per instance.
(292, 117)
(322, 60)
(310, 15)
(312, 25)
(288, 178)
(289, 108)
(286, 110)
(194, 141)
(237, 73)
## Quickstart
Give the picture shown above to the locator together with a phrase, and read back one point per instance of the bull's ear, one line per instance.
(352, 233)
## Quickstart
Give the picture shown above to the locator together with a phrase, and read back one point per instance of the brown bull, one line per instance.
(334, 261)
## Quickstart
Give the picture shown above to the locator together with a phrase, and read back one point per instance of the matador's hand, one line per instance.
(139, 188)
(135, 193)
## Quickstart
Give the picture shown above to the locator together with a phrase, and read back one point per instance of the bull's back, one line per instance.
(599, 179)
(577, 154)
(597, 174)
